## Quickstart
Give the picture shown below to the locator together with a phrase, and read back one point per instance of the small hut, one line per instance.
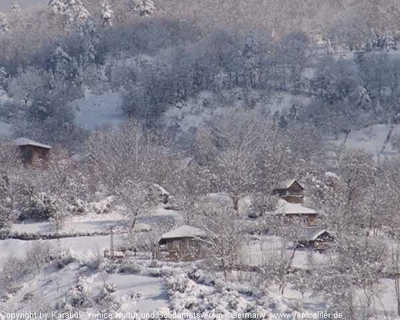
(181, 244)
(315, 238)
(33, 153)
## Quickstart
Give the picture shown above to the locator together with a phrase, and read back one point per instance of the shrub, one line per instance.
(130, 267)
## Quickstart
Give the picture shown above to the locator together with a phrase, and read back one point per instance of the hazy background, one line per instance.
(5, 5)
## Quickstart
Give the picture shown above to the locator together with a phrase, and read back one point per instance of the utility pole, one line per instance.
(111, 242)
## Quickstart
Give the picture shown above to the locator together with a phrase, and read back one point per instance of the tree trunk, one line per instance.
(235, 198)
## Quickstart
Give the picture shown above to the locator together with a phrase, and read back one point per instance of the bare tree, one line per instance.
(223, 236)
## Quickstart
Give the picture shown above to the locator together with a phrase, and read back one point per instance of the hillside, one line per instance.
(212, 159)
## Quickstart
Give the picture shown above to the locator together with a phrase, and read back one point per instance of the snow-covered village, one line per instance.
(203, 159)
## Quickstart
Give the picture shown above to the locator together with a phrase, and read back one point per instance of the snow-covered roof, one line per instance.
(311, 234)
(286, 184)
(161, 189)
(183, 232)
(220, 198)
(27, 142)
(285, 207)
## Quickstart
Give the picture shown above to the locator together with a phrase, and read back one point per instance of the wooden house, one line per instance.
(33, 153)
(292, 211)
(291, 191)
(315, 238)
(181, 244)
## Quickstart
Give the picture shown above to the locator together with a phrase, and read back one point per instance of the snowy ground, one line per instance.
(5, 129)
(72, 227)
(81, 247)
(257, 252)
(146, 294)
(100, 223)
(196, 111)
(95, 111)
(371, 139)
(134, 293)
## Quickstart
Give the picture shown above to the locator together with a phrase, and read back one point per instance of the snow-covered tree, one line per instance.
(329, 47)
(3, 77)
(56, 6)
(90, 39)
(144, 8)
(107, 14)
(372, 41)
(394, 269)
(249, 53)
(4, 26)
(387, 41)
(355, 265)
(251, 46)
(224, 245)
(77, 14)
(361, 97)
(60, 62)
(15, 8)
(9, 181)
(137, 198)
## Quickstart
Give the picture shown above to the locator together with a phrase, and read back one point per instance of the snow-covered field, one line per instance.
(372, 139)
(196, 111)
(258, 252)
(81, 247)
(147, 294)
(134, 293)
(94, 111)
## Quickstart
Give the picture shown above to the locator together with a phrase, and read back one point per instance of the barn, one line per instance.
(33, 153)
(181, 244)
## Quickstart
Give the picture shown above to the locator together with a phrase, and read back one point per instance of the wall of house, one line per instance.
(310, 219)
(293, 194)
(31, 155)
(181, 249)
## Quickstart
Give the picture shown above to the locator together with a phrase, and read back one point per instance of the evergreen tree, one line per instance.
(251, 46)
(90, 28)
(90, 42)
(387, 41)
(4, 26)
(107, 15)
(77, 14)
(372, 41)
(56, 6)
(15, 8)
(361, 97)
(3, 77)
(249, 54)
(59, 62)
(144, 8)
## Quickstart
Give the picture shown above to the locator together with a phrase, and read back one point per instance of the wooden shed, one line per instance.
(291, 191)
(315, 238)
(296, 210)
(32, 152)
(182, 244)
